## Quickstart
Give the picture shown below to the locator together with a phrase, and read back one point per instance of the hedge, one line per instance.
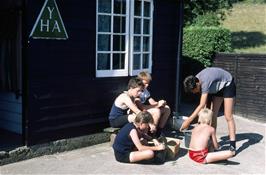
(201, 43)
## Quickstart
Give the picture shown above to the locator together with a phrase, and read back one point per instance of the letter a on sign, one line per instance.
(49, 24)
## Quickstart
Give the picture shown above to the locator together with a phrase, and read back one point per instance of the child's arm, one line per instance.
(139, 104)
(152, 104)
(214, 139)
(129, 103)
(203, 101)
(152, 101)
(157, 104)
(156, 142)
(135, 138)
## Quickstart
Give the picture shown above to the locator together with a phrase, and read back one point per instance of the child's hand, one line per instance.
(185, 124)
(152, 128)
(156, 142)
(161, 103)
(161, 146)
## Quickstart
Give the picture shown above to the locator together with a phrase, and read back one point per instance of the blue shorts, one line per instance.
(119, 122)
(120, 157)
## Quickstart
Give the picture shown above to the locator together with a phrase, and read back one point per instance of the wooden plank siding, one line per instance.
(165, 44)
(10, 112)
(249, 71)
(65, 99)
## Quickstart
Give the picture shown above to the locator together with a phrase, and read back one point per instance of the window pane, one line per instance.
(104, 23)
(145, 61)
(146, 28)
(103, 61)
(119, 24)
(137, 8)
(136, 61)
(103, 42)
(147, 8)
(120, 6)
(137, 44)
(137, 26)
(104, 6)
(118, 61)
(119, 43)
(146, 44)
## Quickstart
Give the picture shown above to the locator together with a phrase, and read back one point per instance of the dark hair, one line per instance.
(134, 83)
(190, 83)
(144, 117)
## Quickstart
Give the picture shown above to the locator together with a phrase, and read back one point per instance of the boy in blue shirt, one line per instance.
(159, 110)
(127, 145)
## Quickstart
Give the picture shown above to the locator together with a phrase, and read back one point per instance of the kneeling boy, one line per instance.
(127, 145)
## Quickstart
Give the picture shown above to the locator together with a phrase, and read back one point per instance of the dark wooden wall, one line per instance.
(65, 99)
(10, 75)
(10, 112)
(165, 45)
(249, 71)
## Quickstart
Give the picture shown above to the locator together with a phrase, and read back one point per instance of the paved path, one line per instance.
(99, 159)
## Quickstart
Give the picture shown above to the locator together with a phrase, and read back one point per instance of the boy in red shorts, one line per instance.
(198, 147)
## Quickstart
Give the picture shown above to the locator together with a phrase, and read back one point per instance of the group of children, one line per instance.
(139, 115)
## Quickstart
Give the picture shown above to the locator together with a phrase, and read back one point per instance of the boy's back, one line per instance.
(200, 137)
(198, 148)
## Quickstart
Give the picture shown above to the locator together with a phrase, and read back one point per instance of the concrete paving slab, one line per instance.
(99, 159)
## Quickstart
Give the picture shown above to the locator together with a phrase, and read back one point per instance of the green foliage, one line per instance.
(201, 43)
(195, 8)
(247, 25)
(207, 20)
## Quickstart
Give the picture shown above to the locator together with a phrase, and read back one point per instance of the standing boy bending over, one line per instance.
(198, 148)
(219, 85)
(128, 139)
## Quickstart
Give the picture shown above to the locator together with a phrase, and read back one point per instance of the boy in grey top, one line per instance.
(213, 79)
(219, 85)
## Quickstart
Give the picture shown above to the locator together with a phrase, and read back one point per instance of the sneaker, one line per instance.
(233, 150)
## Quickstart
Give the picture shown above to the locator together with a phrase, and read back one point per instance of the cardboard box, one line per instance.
(172, 148)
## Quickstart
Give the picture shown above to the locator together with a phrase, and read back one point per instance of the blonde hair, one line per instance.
(205, 116)
(144, 76)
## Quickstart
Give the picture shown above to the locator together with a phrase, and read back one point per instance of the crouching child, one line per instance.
(198, 147)
(127, 145)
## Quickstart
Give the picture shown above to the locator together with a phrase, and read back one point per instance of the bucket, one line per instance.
(187, 134)
(177, 122)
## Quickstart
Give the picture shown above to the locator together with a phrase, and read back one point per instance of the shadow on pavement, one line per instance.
(181, 153)
(225, 162)
(252, 138)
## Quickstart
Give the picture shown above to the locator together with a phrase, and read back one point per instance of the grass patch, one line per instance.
(247, 22)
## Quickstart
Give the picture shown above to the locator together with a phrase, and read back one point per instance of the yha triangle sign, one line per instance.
(49, 24)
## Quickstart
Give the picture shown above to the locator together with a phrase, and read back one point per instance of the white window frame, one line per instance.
(136, 71)
(129, 32)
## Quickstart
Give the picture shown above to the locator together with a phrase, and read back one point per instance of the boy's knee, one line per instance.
(167, 108)
(155, 111)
